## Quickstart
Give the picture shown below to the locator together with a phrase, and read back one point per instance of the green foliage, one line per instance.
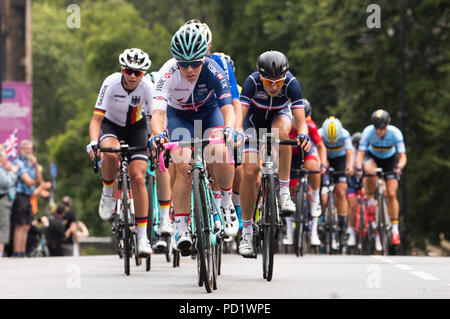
(323, 39)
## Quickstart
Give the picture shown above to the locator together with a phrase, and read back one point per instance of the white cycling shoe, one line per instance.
(287, 206)
(165, 227)
(230, 220)
(315, 240)
(246, 246)
(182, 241)
(288, 239)
(107, 204)
(143, 247)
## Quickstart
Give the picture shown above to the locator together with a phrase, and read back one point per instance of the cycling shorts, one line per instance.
(184, 125)
(338, 163)
(133, 135)
(253, 123)
(387, 164)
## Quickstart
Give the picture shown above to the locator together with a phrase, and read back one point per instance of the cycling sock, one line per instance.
(182, 222)
(315, 222)
(226, 195)
(141, 227)
(394, 225)
(236, 199)
(108, 188)
(371, 200)
(239, 215)
(284, 186)
(218, 198)
(316, 195)
(247, 226)
(164, 207)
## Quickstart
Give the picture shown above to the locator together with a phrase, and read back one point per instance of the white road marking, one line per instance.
(404, 267)
(423, 275)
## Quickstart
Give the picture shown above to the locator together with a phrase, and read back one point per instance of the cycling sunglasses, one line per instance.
(194, 64)
(272, 82)
(131, 71)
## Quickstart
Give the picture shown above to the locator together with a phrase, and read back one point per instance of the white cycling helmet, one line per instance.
(135, 59)
(331, 130)
(202, 27)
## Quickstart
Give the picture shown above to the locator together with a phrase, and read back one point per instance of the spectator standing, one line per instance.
(54, 232)
(29, 175)
(8, 177)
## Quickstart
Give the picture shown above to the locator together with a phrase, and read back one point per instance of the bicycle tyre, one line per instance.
(126, 227)
(383, 228)
(269, 226)
(298, 234)
(204, 247)
(150, 217)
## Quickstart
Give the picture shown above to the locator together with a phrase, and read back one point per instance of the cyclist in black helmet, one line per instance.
(265, 99)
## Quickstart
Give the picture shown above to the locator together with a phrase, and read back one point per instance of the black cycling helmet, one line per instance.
(356, 137)
(308, 109)
(272, 64)
(380, 119)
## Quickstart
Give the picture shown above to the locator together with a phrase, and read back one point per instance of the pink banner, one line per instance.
(15, 110)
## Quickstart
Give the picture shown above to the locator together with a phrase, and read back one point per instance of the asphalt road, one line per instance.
(311, 276)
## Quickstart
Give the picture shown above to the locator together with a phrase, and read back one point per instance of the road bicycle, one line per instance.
(333, 239)
(206, 238)
(382, 224)
(267, 221)
(123, 218)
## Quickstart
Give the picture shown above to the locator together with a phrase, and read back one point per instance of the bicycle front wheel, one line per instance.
(126, 227)
(383, 227)
(203, 232)
(269, 219)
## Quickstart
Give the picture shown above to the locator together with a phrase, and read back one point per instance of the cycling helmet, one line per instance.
(226, 57)
(308, 109)
(188, 43)
(135, 59)
(331, 130)
(272, 64)
(380, 119)
(356, 137)
(203, 27)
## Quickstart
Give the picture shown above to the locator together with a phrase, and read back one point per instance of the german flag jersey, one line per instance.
(121, 106)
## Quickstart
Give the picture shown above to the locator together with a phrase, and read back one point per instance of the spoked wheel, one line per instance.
(127, 231)
(269, 217)
(298, 234)
(203, 231)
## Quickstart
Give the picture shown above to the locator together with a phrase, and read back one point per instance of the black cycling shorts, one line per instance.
(338, 163)
(134, 135)
(387, 164)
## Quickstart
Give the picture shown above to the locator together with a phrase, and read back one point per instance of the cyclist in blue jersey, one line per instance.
(224, 62)
(382, 145)
(339, 156)
(194, 93)
(265, 99)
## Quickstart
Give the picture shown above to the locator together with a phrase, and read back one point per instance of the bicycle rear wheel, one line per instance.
(203, 231)
(151, 216)
(298, 234)
(269, 219)
(126, 226)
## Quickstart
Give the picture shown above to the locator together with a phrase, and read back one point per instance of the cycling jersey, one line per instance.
(124, 107)
(186, 102)
(339, 148)
(261, 104)
(210, 90)
(229, 73)
(384, 147)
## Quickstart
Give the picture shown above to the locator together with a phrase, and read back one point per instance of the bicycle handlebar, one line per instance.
(124, 148)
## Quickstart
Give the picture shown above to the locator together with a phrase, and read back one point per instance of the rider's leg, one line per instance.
(164, 197)
(109, 165)
(137, 169)
(392, 202)
(249, 189)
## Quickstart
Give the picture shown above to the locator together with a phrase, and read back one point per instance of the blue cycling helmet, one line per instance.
(188, 43)
(331, 130)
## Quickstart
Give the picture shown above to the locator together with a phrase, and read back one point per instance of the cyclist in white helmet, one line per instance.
(120, 113)
(339, 156)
